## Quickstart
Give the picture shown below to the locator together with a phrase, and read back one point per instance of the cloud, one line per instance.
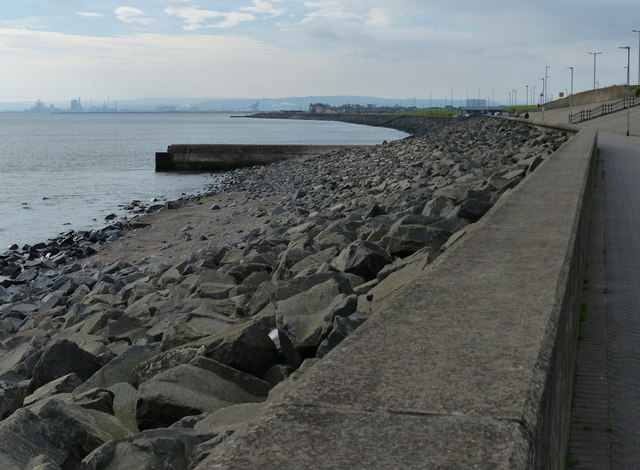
(330, 9)
(378, 18)
(196, 18)
(89, 14)
(132, 15)
(264, 8)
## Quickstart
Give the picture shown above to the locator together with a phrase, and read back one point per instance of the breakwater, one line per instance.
(104, 363)
(221, 157)
(419, 126)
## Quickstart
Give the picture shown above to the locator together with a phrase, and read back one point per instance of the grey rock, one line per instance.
(120, 369)
(61, 358)
(473, 209)
(263, 296)
(126, 328)
(341, 328)
(306, 318)
(42, 462)
(65, 384)
(156, 449)
(11, 397)
(64, 433)
(302, 284)
(362, 258)
(250, 383)
(182, 391)
(97, 399)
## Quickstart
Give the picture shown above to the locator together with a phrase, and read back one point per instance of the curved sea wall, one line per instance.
(469, 364)
(449, 264)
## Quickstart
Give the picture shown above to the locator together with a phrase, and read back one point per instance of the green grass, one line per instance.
(433, 112)
(608, 429)
(587, 428)
(521, 109)
(585, 284)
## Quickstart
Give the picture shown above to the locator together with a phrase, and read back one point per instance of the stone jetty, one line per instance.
(152, 364)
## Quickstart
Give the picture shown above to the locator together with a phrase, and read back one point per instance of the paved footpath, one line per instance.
(606, 411)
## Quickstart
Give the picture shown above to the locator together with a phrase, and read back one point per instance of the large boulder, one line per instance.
(65, 384)
(121, 368)
(183, 391)
(473, 209)
(64, 433)
(411, 234)
(61, 358)
(11, 397)
(156, 449)
(341, 328)
(362, 258)
(18, 357)
(306, 318)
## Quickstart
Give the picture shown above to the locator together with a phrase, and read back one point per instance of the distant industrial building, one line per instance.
(476, 103)
(76, 106)
(480, 107)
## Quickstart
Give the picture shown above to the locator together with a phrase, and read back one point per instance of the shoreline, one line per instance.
(102, 237)
(261, 281)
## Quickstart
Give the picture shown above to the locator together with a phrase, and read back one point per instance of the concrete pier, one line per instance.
(220, 157)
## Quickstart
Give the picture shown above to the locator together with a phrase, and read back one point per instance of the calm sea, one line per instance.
(68, 171)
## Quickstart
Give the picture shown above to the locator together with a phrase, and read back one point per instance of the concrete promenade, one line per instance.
(606, 410)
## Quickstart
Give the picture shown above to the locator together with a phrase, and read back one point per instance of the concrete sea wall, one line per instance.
(601, 95)
(220, 157)
(469, 364)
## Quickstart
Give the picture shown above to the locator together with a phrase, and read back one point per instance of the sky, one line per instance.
(125, 49)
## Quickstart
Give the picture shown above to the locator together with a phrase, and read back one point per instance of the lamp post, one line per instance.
(594, 67)
(571, 97)
(544, 80)
(527, 87)
(638, 31)
(533, 95)
(628, 104)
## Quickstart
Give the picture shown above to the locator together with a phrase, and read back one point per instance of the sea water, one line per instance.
(60, 172)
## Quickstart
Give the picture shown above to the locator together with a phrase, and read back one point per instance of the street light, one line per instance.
(546, 82)
(533, 95)
(527, 101)
(571, 97)
(594, 67)
(628, 104)
(638, 31)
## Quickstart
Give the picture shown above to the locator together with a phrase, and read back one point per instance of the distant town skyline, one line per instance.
(497, 50)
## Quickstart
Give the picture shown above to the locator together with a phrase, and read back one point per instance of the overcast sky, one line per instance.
(122, 49)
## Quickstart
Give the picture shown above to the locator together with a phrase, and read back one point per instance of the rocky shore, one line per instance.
(150, 362)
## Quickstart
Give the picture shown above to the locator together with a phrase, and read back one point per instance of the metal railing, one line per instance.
(604, 108)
